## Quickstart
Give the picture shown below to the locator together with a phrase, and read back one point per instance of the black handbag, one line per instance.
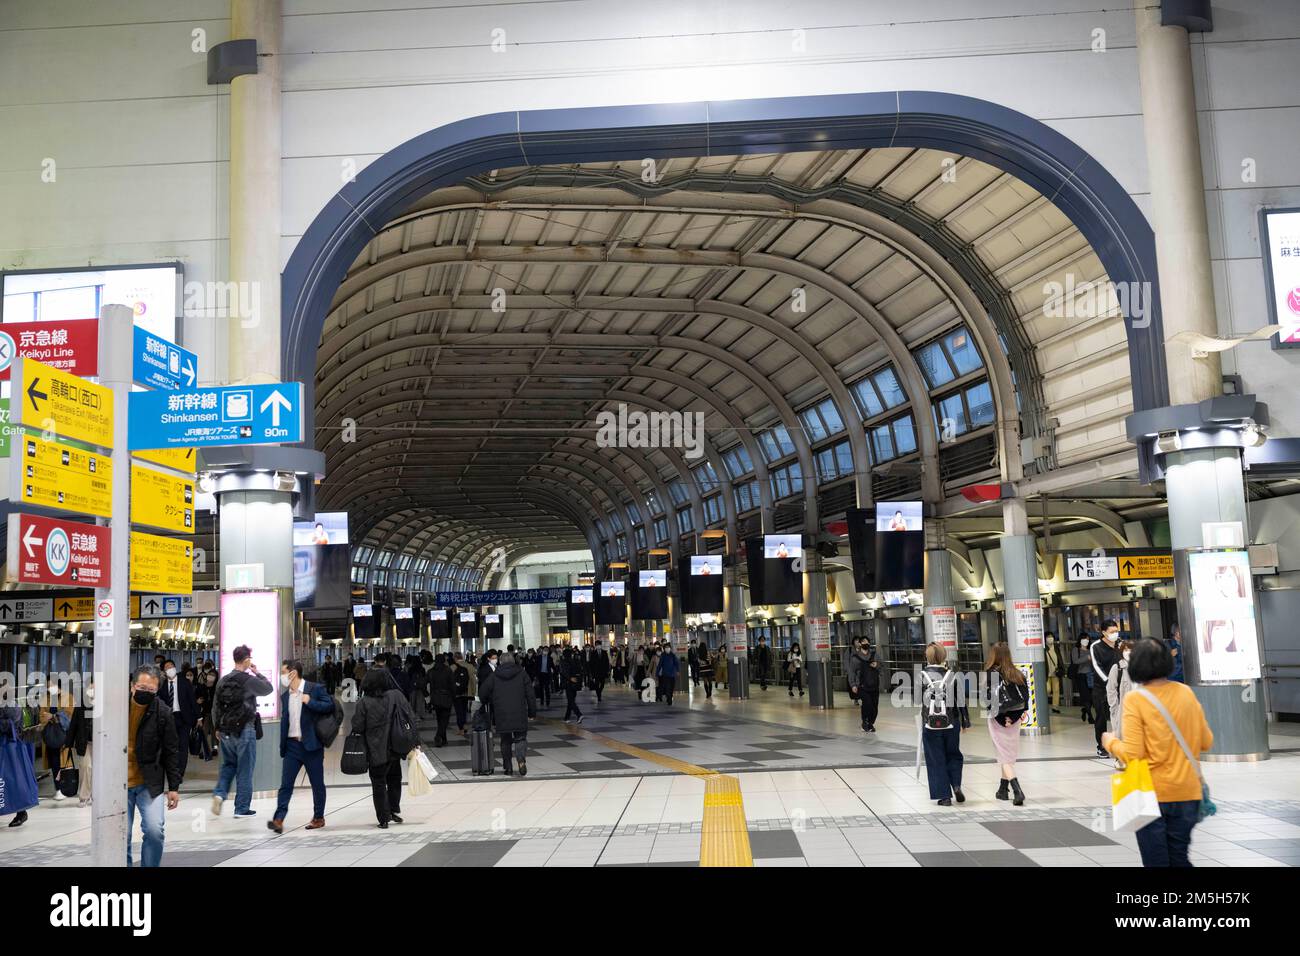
(196, 742)
(69, 779)
(354, 760)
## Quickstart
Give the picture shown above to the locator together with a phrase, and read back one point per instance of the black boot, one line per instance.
(1002, 789)
(956, 792)
(1020, 794)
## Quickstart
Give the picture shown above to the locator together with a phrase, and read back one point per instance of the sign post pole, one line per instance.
(108, 832)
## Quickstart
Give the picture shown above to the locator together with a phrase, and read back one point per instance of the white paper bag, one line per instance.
(426, 765)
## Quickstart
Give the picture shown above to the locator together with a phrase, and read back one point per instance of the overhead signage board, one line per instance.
(196, 604)
(228, 415)
(1082, 567)
(54, 475)
(20, 610)
(1139, 566)
(7, 429)
(70, 345)
(157, 363)
(54, 551)
(179, 459)
(161, 564)
(56, 401)
(161, 501)
(74, 608)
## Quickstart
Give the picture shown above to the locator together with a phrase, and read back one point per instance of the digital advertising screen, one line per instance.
(253, 618)
(899, 558)
(772, 575)
(364, 624)
(322, 576)
(700, 582)
(611, 602)
(405, 623)
(328, 527)
(1280, 245)
(579, 609)
(151, 292)
(894, 598)
(862, 548)
(468, 625)
(493, 627)
(898, 516)
(1227, 641)
(650, 596)
(439, 628)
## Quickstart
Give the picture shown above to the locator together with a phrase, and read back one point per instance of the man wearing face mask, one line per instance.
(1103, 655)
(1081, 677)
(301, 705)
(1055, 668)
(234, 714)
(152, 765)
(177, 695)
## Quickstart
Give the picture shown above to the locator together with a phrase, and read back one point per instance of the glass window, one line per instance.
(961, 349)
(821, 420)
(706, 478)
(787, 481)
(775, 443)
(713, 509)
(904, 435)
(882, 443)
(934, 365)
(677, 490)
(834, 462)
(746, 496)
(685, 521)
(952, 415)
(869, 403)
(640, 536)
(887, 385)
(634, 511)
(661, 529)
(979, 401)
(385, 559)
(737, 461)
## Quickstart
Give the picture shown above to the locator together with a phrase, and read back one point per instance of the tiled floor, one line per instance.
(816, 792)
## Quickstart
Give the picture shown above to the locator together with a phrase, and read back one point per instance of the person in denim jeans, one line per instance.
(236, 726)
(152, 766)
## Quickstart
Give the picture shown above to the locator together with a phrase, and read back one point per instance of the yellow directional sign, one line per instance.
(1137, 566)
(55, 401)
(161, 500)
(181, 459)
(161, 564)
(74, 609)
(55, 475)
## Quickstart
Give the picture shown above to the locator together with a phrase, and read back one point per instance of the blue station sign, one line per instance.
(157, 363)
(228, 415)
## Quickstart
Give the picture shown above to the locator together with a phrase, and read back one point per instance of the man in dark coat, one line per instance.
(506, 691)
(152, 765)
(598, 670)
(442, 696)
(863, 677)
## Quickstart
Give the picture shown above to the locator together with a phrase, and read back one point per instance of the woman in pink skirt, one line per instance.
(1009, 704)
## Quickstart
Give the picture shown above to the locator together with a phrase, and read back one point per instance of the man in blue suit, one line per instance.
(301, 703)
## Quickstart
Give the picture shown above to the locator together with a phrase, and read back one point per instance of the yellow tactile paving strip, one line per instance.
(724, 837)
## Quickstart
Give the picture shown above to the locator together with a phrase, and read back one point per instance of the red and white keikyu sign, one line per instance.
(53, 551)
(71, 345)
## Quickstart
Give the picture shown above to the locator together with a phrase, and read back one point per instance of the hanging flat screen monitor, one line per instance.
(363, 622)
(468, 621)
(900, 546)
(328, 527)
(322, 576)
(862, 548)
(439, 629)
(650, 596)
(404, 621)
(579, 608)
(493, 627)
(772, 575)
(699, 581)
(611, 603)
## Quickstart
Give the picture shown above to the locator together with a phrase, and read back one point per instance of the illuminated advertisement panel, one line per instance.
(1227, 642)
(705, 565)
(253, 618)
(898, 516)
(1280, 245)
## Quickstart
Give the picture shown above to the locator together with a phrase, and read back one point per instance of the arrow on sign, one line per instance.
(29, 539)
(65, 607)
(1076, 567)
(188, 369)
(4, 611)
(152, 606)
(1128, 567)
(33, 395)
(275, 401)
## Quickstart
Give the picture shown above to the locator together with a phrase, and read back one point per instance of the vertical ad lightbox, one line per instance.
(252, 618)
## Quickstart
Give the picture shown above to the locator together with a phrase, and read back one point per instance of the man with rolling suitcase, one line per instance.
(513, 704)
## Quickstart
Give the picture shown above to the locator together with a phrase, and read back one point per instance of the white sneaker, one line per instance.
(58, 796)
(216, 806)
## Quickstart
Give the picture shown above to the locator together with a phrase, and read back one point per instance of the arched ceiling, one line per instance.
(473, 343)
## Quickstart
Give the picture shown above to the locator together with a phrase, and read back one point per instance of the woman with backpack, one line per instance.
(1010, 703)
(373, 720)
(941, 728)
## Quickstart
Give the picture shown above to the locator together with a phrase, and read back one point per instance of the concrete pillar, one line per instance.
(1178, 214)
(254, 339)
(1205, 485)
(940, 611)
(737, 646)
(816, 634)
(1024, 612)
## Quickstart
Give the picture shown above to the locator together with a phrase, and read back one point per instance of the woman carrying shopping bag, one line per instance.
(17, 771)
(1164, 726)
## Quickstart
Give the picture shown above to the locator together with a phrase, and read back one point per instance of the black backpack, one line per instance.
(402, 737)
(232, 708)
(1011, 697)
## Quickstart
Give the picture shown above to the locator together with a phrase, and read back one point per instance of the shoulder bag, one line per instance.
(1207, 808)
